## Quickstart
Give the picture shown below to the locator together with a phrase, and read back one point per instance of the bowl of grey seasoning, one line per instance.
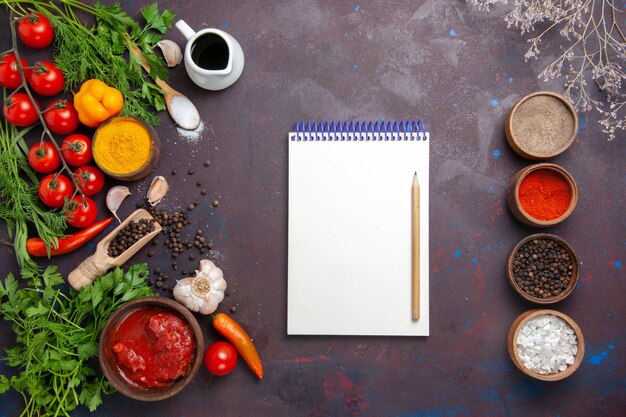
(541, 125)
(546, 344)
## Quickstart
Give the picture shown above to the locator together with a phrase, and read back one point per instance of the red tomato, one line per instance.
(20, 111)
(81, 213)
(9, 75)
(90, 179)
(61, 117)
(35, 30)
(54, 189)
(76, 150)
(220, 358)
(46, 79)
(43, 157)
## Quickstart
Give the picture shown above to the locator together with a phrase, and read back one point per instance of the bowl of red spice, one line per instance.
(541, 125)
(151, 348)
(543, 268)
(542, 195)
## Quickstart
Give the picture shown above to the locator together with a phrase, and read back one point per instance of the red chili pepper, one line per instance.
(36, 247)
(240, 339)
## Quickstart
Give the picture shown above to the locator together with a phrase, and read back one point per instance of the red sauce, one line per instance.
(153, 347)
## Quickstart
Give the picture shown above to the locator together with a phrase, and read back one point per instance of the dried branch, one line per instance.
(594, 49)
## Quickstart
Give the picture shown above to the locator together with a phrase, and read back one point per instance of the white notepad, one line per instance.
(349, 252)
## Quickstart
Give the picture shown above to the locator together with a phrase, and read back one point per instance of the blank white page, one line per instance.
(349, 260)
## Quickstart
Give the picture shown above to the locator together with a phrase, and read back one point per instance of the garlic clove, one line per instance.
(114, 198)
(171, 52)
(158, 189)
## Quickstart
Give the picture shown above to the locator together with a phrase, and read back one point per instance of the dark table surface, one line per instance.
(459, 69)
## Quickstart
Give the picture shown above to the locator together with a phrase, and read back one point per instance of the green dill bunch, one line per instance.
(102, 52)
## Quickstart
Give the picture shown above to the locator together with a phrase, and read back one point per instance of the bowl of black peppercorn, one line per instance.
(543, 268)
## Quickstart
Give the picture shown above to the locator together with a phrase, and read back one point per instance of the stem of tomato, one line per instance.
(24, 85)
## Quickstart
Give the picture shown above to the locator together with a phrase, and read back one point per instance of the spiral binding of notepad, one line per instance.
(403, 130)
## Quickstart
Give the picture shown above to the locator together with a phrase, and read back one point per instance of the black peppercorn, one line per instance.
(530, 272)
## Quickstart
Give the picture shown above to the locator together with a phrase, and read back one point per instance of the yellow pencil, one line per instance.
(415, 236)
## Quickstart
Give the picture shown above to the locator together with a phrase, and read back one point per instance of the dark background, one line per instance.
(459, 69)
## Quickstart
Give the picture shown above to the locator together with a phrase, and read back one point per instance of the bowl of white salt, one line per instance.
(541, 125)
(546, 344)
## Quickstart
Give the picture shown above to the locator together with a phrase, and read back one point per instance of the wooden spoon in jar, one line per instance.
(178, 105)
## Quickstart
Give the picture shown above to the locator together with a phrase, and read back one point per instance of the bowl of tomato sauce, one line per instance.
(151, 348)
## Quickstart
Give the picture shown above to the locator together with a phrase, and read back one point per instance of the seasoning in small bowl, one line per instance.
(543, 268)
(542, 195)
(546, 344)
(541, 125)
(126, 148)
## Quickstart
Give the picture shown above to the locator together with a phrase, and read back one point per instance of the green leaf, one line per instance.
(87, 350)
(90, 395)
(134, 62)
(96, 293)
(150, 13)
(147, 42)
(5, 384)
(51, 277)
(39, 310)
(168, 18)
(9, 288)
(114, 16)
(73, 383)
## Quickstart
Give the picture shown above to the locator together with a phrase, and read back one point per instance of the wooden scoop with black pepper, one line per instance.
(116, 248)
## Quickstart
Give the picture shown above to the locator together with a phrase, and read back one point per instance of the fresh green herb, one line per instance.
(19, 202)
(100, 52)
(57, 334)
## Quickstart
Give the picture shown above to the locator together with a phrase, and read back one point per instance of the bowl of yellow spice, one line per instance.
(126, 148)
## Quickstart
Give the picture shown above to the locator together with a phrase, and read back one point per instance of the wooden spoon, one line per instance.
(100, 262)
(178, 105)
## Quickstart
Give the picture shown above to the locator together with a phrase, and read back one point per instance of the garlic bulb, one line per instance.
(114, 198)
(171, 52)
(203, 292)
(158, 189)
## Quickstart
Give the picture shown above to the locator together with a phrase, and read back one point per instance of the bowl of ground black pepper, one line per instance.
(541, 125)
(543, 268)
(542, 194)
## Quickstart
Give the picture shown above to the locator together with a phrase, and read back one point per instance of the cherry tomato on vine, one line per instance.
(81, 212)
(43, 157)
(76, 150)
(46, 79)
(20, 111)
(90, 179)
(9, 74)
(61, 117)
(54, 189)
(35, 30)
(220, 358)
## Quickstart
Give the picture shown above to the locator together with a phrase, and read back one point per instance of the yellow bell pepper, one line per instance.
(95, 102)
